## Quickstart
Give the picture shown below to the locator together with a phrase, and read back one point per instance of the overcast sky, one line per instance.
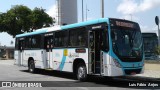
(141, 11)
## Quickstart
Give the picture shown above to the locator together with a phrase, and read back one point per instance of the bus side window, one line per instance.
(48, 43)
(35, 41)
(77, 37)
(21, 45)
(28, 42)
(51, 42)
(61, 39)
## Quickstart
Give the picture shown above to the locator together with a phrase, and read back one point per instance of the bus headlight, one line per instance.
(116, 62)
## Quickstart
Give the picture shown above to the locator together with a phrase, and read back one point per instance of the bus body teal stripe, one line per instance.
(32, 33)
(62, 63)
(85, 23)
(61, 66)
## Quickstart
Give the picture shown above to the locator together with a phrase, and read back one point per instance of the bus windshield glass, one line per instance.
(127, 41)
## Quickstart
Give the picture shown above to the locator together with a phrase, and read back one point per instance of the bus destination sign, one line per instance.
(124, 24)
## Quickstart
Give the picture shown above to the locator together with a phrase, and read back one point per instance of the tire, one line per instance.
(81, 72)
(107, 78)
(31, 66)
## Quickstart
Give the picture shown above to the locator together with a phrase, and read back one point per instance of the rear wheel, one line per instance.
(107, 78)
(81, 72)
(31, 66)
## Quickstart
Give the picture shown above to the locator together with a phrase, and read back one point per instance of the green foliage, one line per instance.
(20, 19)
(40, 19)
(157, 50)
(3, 26)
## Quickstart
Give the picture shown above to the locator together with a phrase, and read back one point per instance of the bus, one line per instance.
(106, 47)
(150, 40)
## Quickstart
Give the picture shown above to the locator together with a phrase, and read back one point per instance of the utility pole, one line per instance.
(59, 13)
(157, 23)
(102, 8)
(86, 12)
(82, 12)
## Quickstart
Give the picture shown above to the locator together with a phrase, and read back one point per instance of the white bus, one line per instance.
(106, 47)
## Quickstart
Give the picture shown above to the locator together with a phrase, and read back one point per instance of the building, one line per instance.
(67, 12)
(150, 41)
(6, 52)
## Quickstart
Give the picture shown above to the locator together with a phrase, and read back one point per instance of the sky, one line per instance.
(141, 11)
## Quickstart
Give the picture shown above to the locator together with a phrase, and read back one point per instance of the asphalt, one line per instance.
(152, 70)
(21, 74)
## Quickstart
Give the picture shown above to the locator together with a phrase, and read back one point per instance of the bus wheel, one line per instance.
(81, 72)
(31, 66)
(107, 78)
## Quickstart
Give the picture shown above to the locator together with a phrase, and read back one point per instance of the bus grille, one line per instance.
(132, 71)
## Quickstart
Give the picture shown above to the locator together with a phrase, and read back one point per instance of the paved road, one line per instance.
(63, 80)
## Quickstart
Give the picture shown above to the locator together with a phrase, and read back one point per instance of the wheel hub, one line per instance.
(81, 72)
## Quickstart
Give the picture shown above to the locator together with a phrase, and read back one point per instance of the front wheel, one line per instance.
(31, 66)
(81, 72)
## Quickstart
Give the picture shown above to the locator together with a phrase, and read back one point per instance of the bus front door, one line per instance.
(94, 51)
(49, 46)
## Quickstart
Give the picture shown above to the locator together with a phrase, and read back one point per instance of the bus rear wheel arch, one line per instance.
(79, 70)
(31, 65)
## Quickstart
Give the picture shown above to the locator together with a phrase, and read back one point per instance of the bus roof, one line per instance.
(54, 28)
(149, 34)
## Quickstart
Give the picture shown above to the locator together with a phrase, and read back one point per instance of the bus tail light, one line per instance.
(116, 63)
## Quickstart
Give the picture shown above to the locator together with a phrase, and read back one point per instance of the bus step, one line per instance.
(49, 69)
(92, 51)
(97, 67)
(96, 74)
(97, 71)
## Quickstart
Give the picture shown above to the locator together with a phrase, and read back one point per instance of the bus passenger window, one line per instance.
(77, 37)
(61, 39)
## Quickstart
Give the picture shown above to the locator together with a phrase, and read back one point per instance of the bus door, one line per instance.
(94, 51)
(48, 47)
(21, 51)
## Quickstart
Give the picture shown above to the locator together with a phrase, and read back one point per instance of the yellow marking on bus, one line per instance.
(65, 52)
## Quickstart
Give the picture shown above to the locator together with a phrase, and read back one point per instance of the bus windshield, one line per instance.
(127, 42)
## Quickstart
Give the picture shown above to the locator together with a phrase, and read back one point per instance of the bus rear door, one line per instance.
(48, 47)
(20, 51)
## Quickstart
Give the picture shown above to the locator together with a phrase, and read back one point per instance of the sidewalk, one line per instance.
(7, 62)
(151, 70)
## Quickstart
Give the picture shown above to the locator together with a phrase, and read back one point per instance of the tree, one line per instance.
(40, 19)
(157, 50)
(20, 19)
(3, 26)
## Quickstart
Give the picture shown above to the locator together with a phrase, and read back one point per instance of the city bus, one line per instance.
(150, 40)
(106, 47)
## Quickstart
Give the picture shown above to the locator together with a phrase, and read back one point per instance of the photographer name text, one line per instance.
(143, 84)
